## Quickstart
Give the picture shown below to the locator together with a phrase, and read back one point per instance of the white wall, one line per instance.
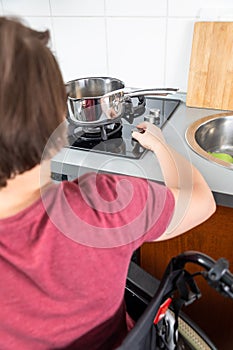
(146, 43)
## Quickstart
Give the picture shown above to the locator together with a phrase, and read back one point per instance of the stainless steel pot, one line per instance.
(96, 101)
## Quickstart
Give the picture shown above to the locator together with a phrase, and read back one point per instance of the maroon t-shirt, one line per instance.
(64, 261)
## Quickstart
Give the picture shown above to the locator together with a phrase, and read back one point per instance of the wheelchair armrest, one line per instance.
(140, 280)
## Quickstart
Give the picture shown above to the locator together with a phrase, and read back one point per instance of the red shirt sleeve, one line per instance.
(115, 210)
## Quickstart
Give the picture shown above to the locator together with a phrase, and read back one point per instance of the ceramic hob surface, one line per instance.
(115, 139)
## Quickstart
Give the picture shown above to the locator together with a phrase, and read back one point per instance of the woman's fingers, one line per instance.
(151, 129)
(143, 125)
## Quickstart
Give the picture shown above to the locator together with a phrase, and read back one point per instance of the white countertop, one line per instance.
(74, 163)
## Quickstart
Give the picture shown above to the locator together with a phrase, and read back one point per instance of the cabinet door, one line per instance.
(213, 312)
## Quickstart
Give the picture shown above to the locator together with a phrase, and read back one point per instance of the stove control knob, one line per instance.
(155, 112)
(153, 117)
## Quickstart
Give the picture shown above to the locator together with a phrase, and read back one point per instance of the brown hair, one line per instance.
(32, 98)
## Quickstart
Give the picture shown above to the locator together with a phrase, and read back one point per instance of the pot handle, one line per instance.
(155, 92)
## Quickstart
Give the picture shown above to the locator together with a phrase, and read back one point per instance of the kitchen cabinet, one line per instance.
(213, 312)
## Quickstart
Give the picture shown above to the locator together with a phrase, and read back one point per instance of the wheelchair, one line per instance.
(156, 306)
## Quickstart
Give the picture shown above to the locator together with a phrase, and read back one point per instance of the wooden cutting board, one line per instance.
(210, 81)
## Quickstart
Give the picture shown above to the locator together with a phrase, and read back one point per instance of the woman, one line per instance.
(65, 249)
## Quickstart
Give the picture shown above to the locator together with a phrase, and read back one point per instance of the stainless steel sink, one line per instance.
(212, 134)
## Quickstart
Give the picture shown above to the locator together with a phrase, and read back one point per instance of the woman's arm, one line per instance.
(193, 197)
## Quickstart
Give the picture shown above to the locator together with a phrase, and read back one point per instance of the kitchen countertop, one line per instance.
(74, 163)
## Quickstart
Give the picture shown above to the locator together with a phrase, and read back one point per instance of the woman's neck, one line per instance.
(24, 189)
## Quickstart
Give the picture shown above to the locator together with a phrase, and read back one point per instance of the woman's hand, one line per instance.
(149, 136)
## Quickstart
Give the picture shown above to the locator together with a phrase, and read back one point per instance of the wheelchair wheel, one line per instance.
(139, 290)
(191, 337)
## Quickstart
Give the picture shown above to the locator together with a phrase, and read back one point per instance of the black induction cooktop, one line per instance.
(115, 139)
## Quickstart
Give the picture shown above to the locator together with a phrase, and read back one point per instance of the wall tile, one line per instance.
(26, 8)
(81, 46)
(179, 46)
(136, 49)
(136, 8)
(193, 8)
(77, 7)
(121, 38)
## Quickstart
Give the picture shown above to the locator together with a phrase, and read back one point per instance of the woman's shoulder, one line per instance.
(108, 210)
(111, 186)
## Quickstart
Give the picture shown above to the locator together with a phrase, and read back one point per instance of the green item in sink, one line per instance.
(223, 156)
